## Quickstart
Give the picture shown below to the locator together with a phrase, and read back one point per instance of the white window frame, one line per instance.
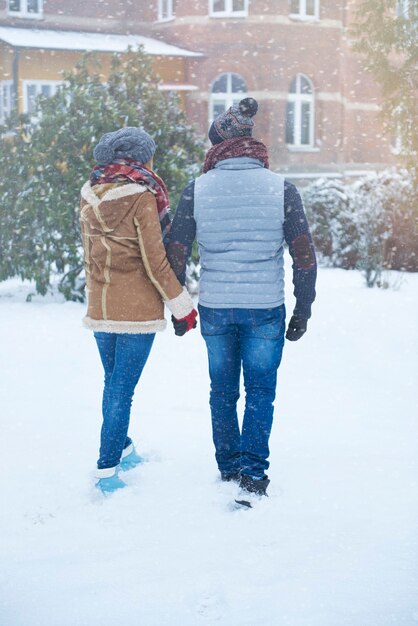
(228, 12)
(169, 4)
(299, 98)
(6, 110)
(38, 83)
(302, 12)
(24, 10)
(228, 97)
(402, 9)
(396, 146)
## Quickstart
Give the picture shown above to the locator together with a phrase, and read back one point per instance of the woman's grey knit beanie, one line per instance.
(126, 143)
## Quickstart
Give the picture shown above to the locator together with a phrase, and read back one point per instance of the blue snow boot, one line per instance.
(109, 484)
(130, 458)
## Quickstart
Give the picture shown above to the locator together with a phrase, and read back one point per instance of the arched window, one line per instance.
(300, 113)
(227, 89)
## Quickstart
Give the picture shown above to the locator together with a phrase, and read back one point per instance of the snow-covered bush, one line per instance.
(370, 224)
(14, 173)
(333, 225)
(373, 228)
(397, 191)
(192, 277)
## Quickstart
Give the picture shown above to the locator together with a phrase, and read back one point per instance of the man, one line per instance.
(242, 214)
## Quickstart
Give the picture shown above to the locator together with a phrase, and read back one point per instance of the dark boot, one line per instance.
(252, 485)
(234, 477)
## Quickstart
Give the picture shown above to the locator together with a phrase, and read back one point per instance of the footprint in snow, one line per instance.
(210, 607)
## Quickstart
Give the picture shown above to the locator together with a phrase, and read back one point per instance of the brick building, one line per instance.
(318, 107)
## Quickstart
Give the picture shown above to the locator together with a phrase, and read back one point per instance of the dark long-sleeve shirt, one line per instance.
(296, 232)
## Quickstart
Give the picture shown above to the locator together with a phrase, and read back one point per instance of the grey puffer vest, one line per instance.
(239, 214)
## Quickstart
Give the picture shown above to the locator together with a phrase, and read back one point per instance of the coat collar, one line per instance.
(118, 192)
(239, 163)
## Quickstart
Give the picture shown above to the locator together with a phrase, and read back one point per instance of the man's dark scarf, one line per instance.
(236, 147)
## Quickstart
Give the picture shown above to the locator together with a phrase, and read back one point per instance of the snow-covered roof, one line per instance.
(177, 87)
(98, 42)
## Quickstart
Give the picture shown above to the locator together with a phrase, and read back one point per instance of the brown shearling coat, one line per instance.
(128, 277)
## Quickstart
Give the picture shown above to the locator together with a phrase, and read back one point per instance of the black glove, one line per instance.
(181, 327)
(296, 328)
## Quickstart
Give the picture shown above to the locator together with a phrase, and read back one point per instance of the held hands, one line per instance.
(297, 328)
(183, 325)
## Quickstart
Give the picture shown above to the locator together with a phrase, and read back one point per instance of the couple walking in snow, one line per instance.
(241, 214)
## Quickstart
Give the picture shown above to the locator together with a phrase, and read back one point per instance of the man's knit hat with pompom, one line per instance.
(235, 122)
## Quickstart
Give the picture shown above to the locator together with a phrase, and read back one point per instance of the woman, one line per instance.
(124, 218)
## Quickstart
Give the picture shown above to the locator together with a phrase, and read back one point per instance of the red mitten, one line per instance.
(183, 325)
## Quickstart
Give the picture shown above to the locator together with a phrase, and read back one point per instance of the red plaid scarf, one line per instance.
(236, 147)
(125, 170)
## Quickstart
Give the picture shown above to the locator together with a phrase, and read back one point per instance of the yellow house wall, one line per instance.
(6, 61)
(172, 70)
(49, 65)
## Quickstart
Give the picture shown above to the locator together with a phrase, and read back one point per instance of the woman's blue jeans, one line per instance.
(123, 357)
(253, 338)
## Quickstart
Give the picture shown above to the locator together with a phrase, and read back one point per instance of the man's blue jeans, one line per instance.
(123, 357)
(255, 338)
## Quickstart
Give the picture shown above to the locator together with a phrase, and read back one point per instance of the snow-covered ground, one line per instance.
(335, 544)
